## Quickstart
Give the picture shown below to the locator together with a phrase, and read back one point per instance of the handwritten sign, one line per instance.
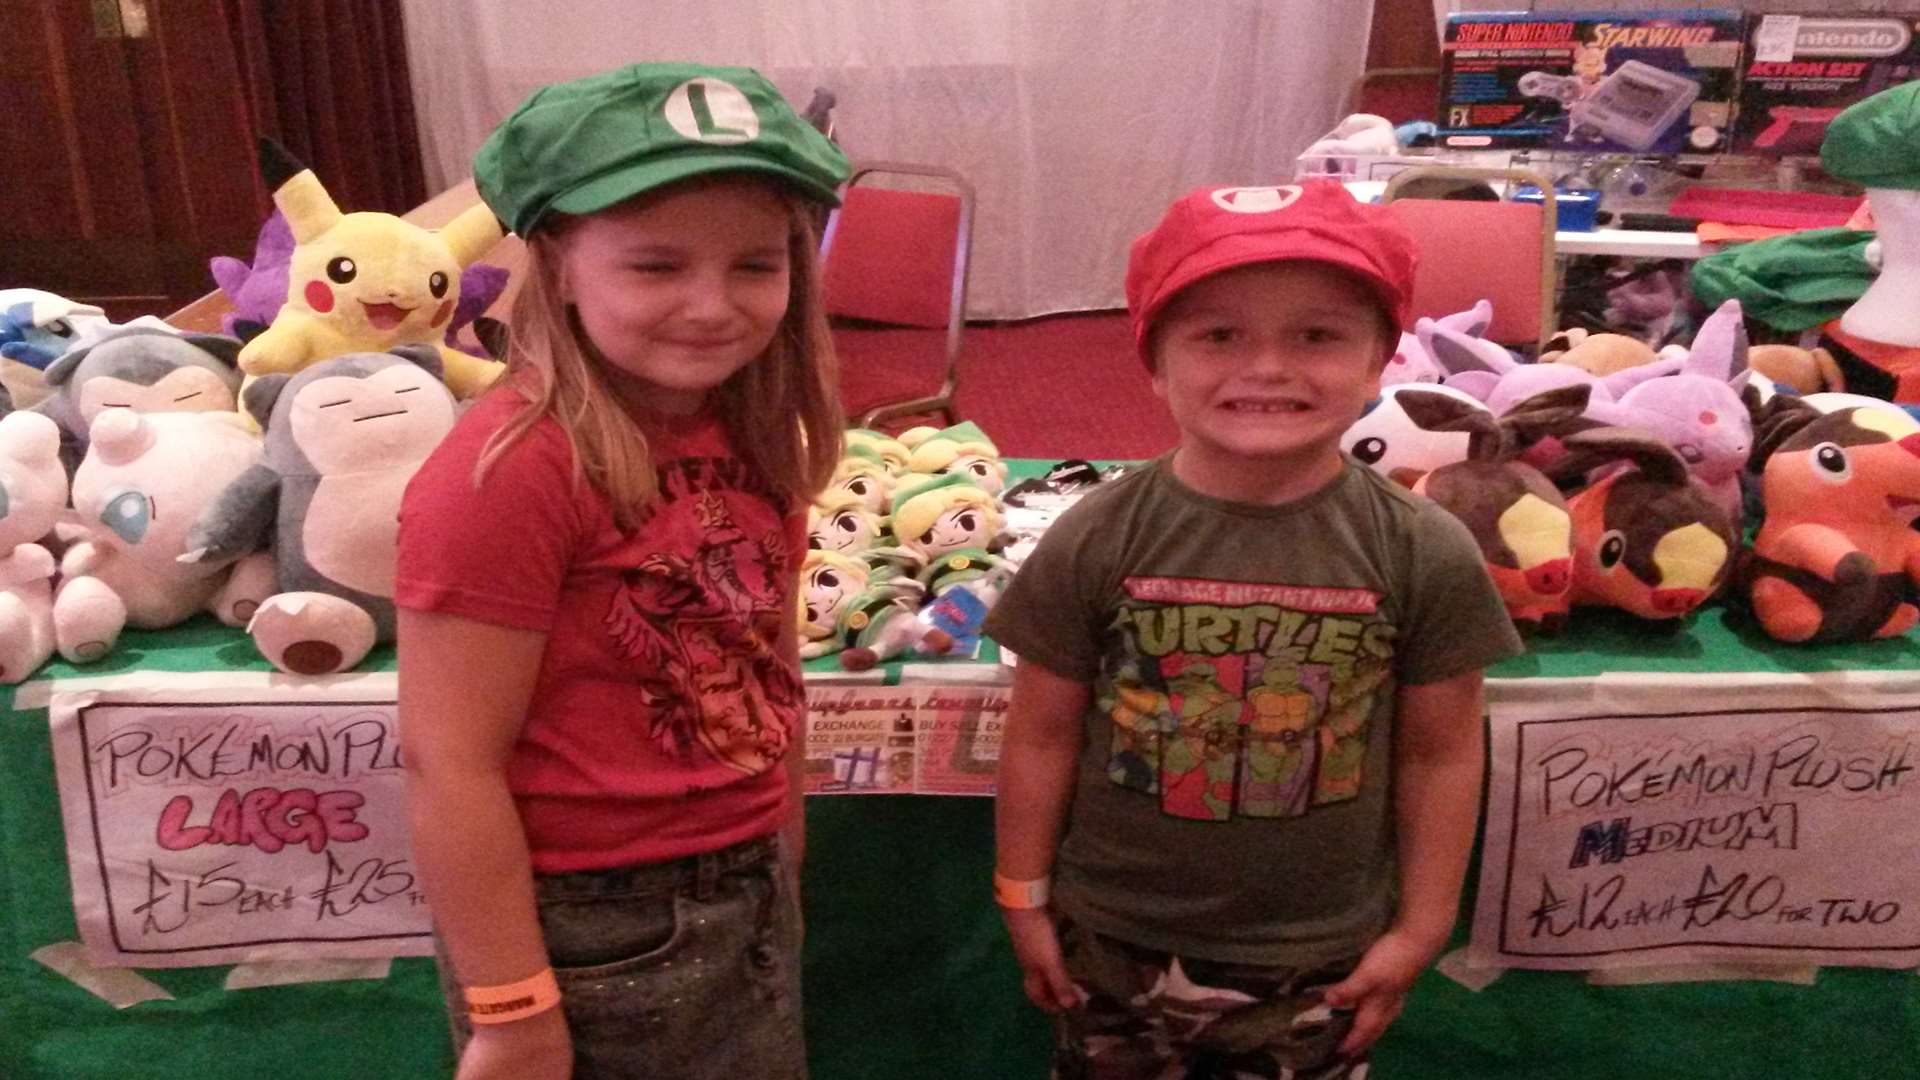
(214, 826)
(1642, 821)
(904, 740)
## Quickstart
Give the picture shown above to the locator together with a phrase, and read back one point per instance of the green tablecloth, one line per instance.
(907, 972)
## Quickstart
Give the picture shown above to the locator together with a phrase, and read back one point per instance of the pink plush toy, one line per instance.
(1412, 363)
(1498, 378)
(33, 492)
(145, 479)
(1698, 410)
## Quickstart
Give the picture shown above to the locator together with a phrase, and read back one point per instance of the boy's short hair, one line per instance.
(1212, 229)
(582, 146)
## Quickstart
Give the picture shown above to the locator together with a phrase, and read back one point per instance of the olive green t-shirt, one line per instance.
(1233, 799)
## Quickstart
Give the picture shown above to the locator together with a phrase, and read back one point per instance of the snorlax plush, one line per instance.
(366, 282)
(343, 438)
(145, 370)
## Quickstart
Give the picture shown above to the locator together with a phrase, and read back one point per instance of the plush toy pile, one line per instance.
(148, 475)
(1609, 475)
(904, 547)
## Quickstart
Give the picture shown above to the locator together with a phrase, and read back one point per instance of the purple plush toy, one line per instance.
(257, 291)
(1698, 410)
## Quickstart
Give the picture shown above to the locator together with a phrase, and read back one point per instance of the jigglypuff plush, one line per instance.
(145, 480)
(343, 438)
(144, 370)
(965, 450)
(33, 492)
(366, 282)
(1836, 557)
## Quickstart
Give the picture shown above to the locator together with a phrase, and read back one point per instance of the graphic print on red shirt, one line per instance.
(704, 617)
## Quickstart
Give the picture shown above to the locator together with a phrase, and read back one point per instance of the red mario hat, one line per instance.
(1217, 228)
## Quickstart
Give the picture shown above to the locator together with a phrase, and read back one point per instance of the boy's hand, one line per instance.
(1378, 987)
(1036, 945)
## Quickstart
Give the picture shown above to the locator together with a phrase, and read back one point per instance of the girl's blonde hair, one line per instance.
(782, 409)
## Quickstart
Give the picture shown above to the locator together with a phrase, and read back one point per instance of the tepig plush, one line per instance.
(1836, 557)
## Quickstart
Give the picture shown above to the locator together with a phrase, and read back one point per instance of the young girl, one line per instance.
(599, 672)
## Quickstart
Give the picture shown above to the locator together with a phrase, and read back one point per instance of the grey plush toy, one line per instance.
(343, 438)
(141, 369)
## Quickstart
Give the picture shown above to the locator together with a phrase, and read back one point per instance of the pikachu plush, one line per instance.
(366, 282)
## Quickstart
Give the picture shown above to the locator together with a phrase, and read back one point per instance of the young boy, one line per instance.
(1249, 681)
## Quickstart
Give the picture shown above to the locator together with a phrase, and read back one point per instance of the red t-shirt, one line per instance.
(663, 709)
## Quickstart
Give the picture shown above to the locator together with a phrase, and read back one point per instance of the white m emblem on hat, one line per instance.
(1255, 200)
(712, 110)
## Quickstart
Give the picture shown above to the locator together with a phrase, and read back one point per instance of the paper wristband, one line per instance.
(1021, 895)
(513, 1001)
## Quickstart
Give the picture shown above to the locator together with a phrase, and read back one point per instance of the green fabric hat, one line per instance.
(1876, 142)
(1791, 282)
(588, 144)
(916, 485)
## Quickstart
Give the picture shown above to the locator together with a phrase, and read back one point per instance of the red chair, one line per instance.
(897, 258)
(1501, 251)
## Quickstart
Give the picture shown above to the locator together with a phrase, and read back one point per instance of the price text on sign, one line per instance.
(221, 831)
(1618, 838)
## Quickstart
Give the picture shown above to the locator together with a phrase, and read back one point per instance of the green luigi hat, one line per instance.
(1876, 142)
(582, 146)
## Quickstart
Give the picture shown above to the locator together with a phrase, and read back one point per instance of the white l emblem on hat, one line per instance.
(1255, 200)
(712, 110)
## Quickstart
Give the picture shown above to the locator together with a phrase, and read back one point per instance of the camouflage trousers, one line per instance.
(1151, 1015)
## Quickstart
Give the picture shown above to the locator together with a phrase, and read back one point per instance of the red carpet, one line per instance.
(1063, 386)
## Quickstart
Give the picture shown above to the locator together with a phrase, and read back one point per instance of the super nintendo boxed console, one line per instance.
(1652, 82)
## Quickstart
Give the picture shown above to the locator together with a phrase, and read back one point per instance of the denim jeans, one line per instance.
(688, 970)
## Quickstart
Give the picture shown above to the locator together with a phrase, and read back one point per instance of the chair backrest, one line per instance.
(899, 256)
(1500, 251)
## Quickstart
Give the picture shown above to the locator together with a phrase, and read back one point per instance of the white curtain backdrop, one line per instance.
(1077, 121)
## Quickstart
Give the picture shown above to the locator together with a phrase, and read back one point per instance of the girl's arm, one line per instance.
(1438, 752)
(1034, 788)
(464, 689)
